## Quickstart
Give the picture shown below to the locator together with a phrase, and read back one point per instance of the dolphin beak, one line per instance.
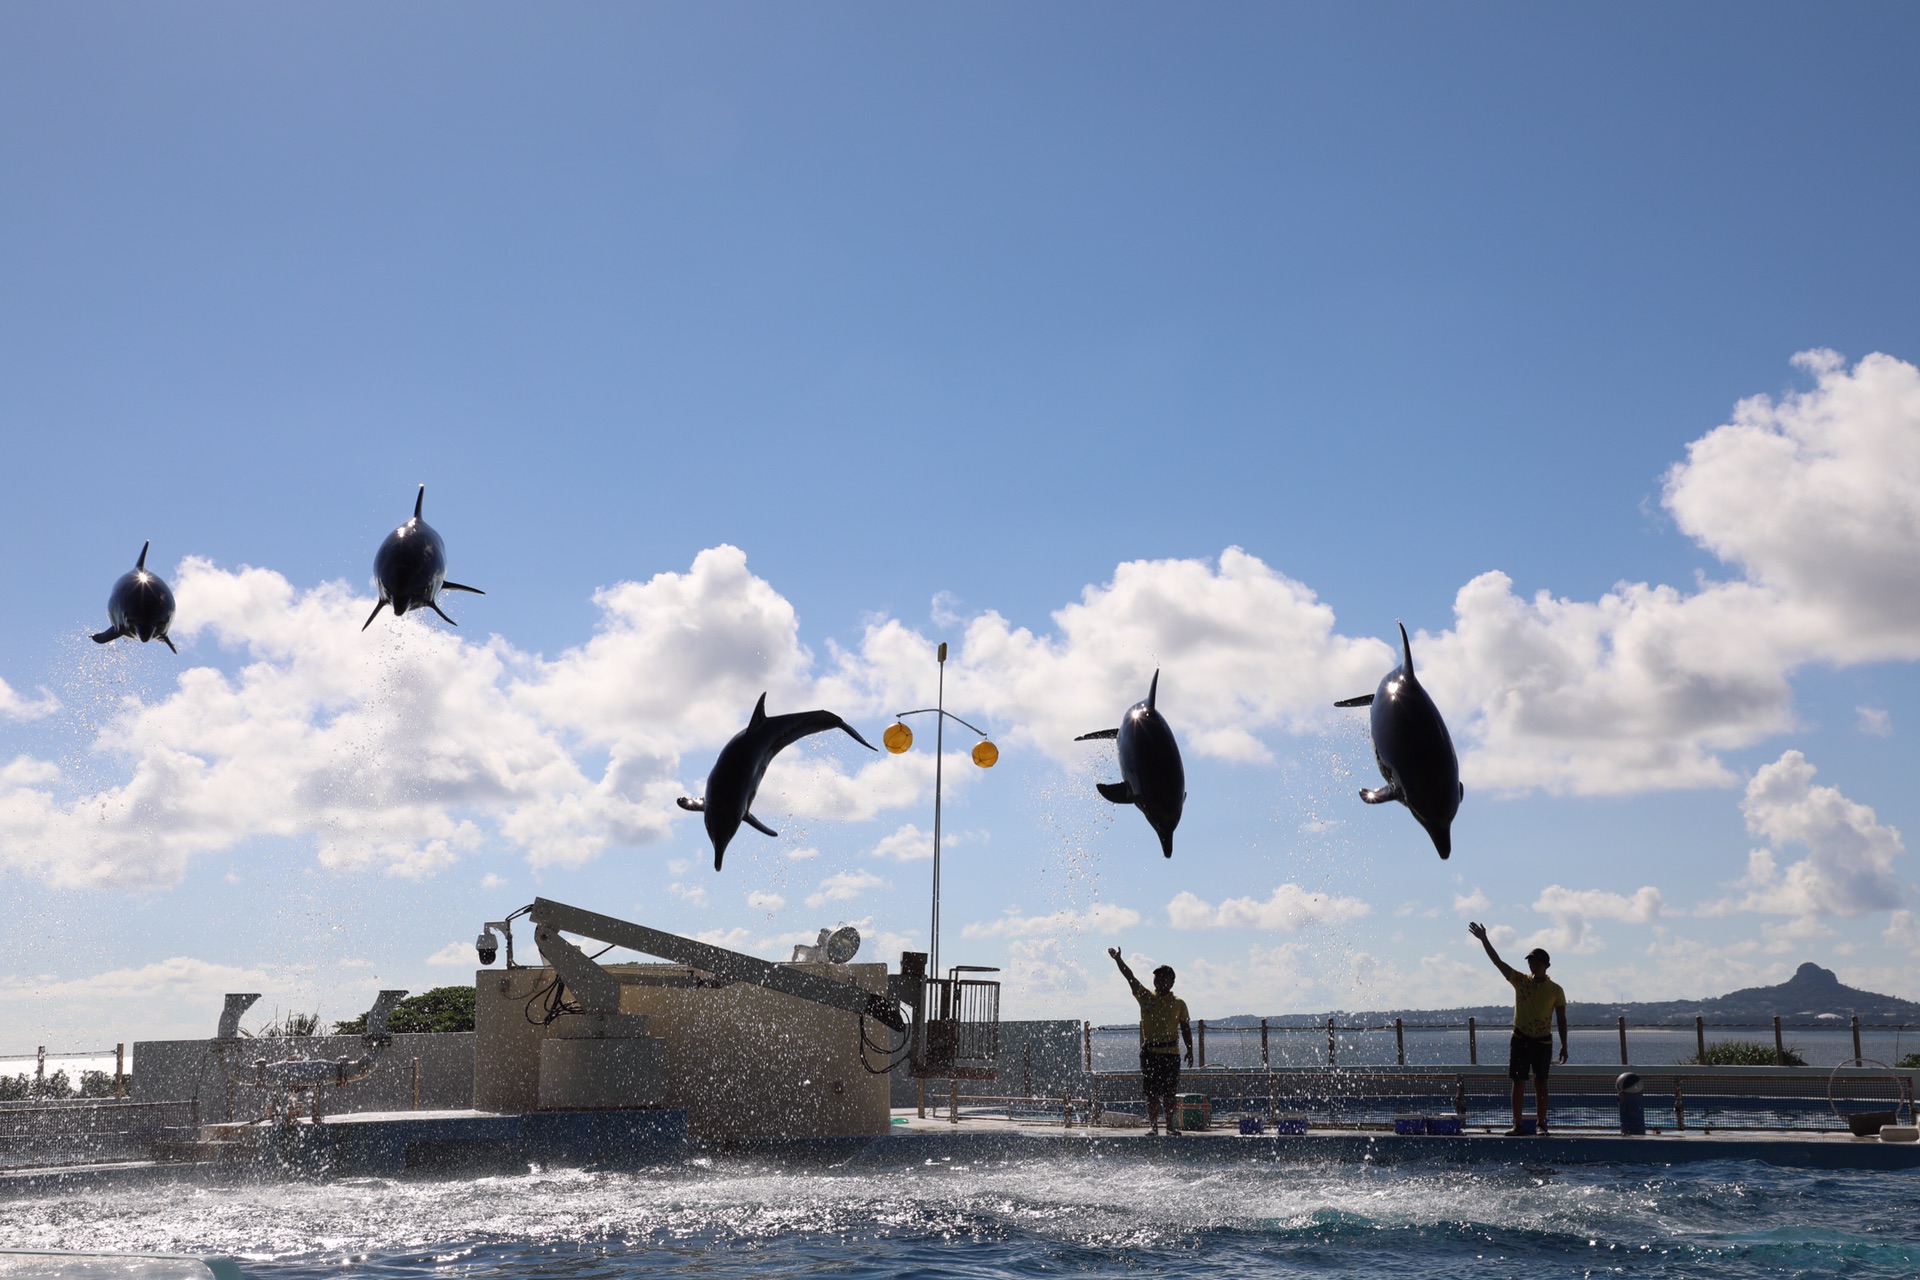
(1442, 840)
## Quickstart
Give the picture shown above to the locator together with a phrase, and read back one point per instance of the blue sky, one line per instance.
(753, 347)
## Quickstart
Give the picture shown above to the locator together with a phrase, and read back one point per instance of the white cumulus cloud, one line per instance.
(1288, 907)
(1849, 869)
(1101, 917)
(844, 886)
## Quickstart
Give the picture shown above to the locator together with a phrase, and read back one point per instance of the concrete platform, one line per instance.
(980, 1137)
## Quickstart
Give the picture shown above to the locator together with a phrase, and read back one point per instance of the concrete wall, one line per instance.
(743, 1062)
(174, 1070)
(1042, 1058)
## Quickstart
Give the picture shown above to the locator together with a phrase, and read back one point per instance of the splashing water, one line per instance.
(1074, 1215)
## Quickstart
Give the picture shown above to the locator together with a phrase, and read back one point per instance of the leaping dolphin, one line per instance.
(411, 567)
(736, 775)
(1152, 776)
(141, 605)
(1414, 750)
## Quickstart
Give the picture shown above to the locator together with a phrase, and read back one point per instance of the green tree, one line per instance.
(1745, 1053)
(441, 1009)
(1909, 1063)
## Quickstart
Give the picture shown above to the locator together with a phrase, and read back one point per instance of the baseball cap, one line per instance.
(1540, 955)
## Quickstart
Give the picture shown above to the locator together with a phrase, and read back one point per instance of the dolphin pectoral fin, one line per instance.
(1380, 795)
(461, 586)
(1117, 792)
(691, 805)
(108, 636)
(1364, 700)
(760, 826)
(443, 617)
(163, 639)
(1098, 733)
(376, 613)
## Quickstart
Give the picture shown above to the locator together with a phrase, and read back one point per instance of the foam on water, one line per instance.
(1072, 1215)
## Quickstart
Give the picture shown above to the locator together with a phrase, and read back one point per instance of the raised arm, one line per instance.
(1480, 931)
(1127, 973)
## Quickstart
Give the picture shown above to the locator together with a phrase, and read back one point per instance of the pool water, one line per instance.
(1071, 1215)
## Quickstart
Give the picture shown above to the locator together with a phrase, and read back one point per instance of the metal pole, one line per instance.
(1700, 1037)
(1779, 1045)
(1086, 1033)
(1623, 1040)
(1856, 1036)
(1264, 1064)
(40, 1074)
(120, 1070)
(1473, 1044)
(416, 1084)
(1330, 1045)
(1203, 1042)
(939, 759)
(1399, 1043)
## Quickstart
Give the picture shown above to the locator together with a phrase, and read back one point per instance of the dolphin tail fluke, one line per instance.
(1117, 792)
(855, 735)
(1364, 700)
(418, 499)
(461, 586)
(1380, 795)
(164, 639)
(141, 563)
(376, 613)
(108, 636)
(760, 826)
(691, 805)
(1406, 648)
(1153, 689)
(1098, 733)
(443, 617)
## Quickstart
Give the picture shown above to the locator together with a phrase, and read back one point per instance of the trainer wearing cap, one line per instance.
(1161, 1013)
(1537, 1002)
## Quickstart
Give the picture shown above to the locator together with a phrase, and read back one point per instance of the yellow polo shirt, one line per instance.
(1534, 1001)
(1160, 1019)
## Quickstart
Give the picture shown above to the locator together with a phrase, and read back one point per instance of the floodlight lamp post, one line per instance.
(898, 738)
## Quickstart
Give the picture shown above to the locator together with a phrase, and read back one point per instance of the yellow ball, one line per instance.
(985, 754)
(897, 737)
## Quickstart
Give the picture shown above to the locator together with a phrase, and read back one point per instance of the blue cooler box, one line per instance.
(1444, 1126)
(1409, 1125)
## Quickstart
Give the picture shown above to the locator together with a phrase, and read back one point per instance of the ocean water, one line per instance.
(1068, 1215)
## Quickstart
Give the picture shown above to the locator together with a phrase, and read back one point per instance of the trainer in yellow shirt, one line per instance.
(1538, 1002)
(1161, 1013)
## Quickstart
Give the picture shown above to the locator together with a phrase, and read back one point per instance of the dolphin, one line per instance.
(1414, 750)
(141, 605)
(411, 567)
(736, 775)
(1152, 776)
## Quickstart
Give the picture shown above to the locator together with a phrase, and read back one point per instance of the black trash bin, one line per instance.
(1633, 1107)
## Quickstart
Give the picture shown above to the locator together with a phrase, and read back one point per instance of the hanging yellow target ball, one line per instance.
(897, 737)
(985, 754)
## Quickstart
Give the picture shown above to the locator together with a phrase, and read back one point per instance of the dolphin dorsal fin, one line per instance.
(1406, 649)
(141, 563)
(1153, 688)
(759, 712)
(418, 499)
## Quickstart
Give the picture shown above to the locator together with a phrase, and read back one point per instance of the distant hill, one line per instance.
(1812, 994)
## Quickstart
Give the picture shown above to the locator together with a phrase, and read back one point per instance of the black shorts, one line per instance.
(1527, 1056)
(1159, 1073)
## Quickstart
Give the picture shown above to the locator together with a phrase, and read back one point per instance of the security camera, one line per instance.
(487, 945)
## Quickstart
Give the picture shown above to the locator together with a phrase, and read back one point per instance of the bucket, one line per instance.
(1866, 1124)
(1251, 1125)
(1290, 1124)
(1407, 1126)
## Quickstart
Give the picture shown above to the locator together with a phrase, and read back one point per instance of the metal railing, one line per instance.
(40, 1057)
(1282, 1044)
